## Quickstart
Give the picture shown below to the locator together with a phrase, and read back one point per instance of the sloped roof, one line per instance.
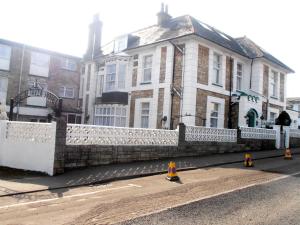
(188, 25)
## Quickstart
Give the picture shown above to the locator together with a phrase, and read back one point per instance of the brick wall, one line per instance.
(163, 59)
(134, 96)
(202, 69)
(266, 81)
(160, 106)
(228, 74)
(201, 106)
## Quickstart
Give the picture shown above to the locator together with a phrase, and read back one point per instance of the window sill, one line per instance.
(145, 83)
(67, 97)
(218, 85)
(274, 97)
(4, 70)
(66, 69)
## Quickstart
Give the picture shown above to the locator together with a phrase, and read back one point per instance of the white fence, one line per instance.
(193, 133)
(28, 146)
(78, 134)
(257, 133)
(295, 133)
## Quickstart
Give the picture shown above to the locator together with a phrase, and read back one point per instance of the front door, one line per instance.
(252, 119)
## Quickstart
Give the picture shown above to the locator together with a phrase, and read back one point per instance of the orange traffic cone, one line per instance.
(288, 154)
(248, 160)
(172, 174)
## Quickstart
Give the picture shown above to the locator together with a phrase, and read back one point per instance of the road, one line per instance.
(269, 193)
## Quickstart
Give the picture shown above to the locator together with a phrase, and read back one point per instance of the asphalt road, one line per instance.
(269, 193)
(274, 203)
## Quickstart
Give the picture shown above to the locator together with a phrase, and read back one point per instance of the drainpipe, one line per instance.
(20, 79)
(173, 78)
(230, 94)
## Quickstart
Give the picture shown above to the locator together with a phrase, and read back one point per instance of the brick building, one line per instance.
(180, 70)
(22, 66)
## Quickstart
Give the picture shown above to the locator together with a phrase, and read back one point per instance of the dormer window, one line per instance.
(147, 68)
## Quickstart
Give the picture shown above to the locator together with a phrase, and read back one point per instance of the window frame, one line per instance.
(107, 115)
(274, 84)
(110, 75)
(7, 58)
(147, 67)
(216, 117)
(65, 91)
(217, 67)
(144, 115)
(239, 77)
(66, 62)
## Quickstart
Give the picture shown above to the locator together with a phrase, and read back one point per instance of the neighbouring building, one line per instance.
(23, 66)
(180, 70)
(293, 104)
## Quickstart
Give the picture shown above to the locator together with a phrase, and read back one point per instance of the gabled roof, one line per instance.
(188, 25)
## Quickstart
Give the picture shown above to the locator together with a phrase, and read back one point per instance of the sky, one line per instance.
(62, 25)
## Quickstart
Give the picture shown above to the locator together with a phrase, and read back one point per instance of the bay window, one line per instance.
(273, 84)
(110, 115)
(110, 77)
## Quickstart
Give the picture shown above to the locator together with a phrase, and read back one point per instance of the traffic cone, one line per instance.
(288, 154)
(248, 160)
(172, 174)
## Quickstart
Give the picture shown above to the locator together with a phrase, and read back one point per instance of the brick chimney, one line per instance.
(94, 41)
(163, 17)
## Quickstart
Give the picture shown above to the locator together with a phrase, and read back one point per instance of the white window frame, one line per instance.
(67, 64)
(147, 68)
(274, 84)
(110, 115)
(145, 115)
(217, 66)
(212, 110)
(65, 91)
(121, 76)
(109, 76)
(221, 102)
(5, 60)
(39, 64)
(272, 110)
(239, 76)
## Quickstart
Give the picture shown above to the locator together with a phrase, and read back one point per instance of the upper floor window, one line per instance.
(5, 53)
(239, 76)
(115, 76)
(121, 76)
(217, 63)
(110, 77)
(147, 68)
(39, 64)
(69, 64)
(214, 115)
(273, 84)
(145, 113)
(66, 92)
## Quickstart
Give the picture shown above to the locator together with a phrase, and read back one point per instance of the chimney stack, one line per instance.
(163, 16)
(94, 42)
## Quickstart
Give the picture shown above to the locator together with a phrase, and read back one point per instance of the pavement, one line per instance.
(14, 183)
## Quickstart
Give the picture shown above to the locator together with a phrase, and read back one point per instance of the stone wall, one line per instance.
(281, 87)
(160, 106)
(266, 81)
(163, 60)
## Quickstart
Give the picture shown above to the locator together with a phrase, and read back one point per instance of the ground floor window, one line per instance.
(145, 111)
(214, 115)
(110, 115)
(72, 118)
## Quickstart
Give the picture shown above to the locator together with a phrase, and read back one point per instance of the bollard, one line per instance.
(248, 160)
(172, 174)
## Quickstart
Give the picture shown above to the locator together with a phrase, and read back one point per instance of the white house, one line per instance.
(180, 70)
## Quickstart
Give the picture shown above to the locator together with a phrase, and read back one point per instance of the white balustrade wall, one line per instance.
(79, 134)
(295, 133)
(27, 145)
(257, 133)
(202, 134)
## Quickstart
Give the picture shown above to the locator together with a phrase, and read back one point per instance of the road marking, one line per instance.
(221, 193)
(69, 196)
